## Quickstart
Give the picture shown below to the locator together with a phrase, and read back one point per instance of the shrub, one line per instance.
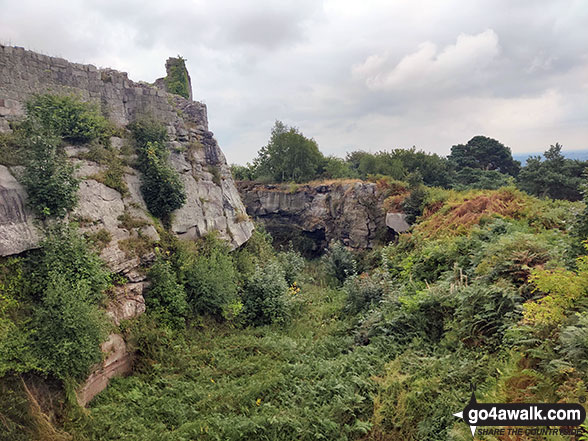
(67, 328)
(209, 277)
(11, 151)
(49, 177)
(483, 313)
(113, 176)
(365, 290)
(574, 342)
(62, 326)
(414, 203)
(166, 298)
(339, 261)
(256, 251)
(65, 252)
(264, 296)
(215, 172)
(68, 117)
(292, 263)
(99, 239)
(161, 185)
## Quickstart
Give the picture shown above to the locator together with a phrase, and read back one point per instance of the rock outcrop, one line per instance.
(17, 232)
(312, 215)
(121, 221)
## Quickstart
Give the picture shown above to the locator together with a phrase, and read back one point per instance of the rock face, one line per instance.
(121, 221)
(348, 211)
(213, 201)
(17, 232)
(117, 361)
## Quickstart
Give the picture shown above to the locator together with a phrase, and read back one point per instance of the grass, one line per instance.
(129, 223)
(306, 381)
(113, 175)
(11, 153)
(136, 246)
(99, 239)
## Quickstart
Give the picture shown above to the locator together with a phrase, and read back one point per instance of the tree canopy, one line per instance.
(288, 156)
(556, 176)
(486, 154)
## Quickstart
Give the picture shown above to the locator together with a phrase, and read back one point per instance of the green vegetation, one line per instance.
(113, 175)
(68, 117)
(49, 319)
(259, 344)
(177, 80)
(289, 156)
(481, 163)
(555, 177)
(11, 152)
(49, 177)
(489, 287)
(161, 185)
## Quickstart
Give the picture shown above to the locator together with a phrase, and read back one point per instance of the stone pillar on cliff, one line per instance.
(177, 79)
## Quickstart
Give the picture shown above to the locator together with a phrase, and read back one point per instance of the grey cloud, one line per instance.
(440, 72)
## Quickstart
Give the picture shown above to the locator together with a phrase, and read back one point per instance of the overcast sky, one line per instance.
(369, 74)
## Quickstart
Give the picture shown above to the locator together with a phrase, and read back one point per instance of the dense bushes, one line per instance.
(210, 279)
(161, 185)
(166, 298)
(204, 279)
(339, 261)
(49, 177)
(264, 296)
(69, 118)
(52, 314)
(67, 328)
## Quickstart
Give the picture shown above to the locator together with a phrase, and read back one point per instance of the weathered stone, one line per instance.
(128, 302)
(350, 212)
(213, 202)
(118, 361)
(397, 221)
(26, 73)
(17, 232)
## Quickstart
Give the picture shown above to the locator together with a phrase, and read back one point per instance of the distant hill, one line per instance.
(582, 155)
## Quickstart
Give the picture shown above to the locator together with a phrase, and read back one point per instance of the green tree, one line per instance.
(161, 185)
(49, 177)
(288, 156)
(467, 178)
(166, 298)
(556, 176)
(486, 154)
(414, 204)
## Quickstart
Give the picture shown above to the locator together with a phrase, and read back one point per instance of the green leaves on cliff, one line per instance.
(161, 185)
(49, 177)
(68, 117)
(177, 80)
(50, 321)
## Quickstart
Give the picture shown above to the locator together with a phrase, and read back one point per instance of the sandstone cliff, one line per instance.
(213, 203)
(312, 215)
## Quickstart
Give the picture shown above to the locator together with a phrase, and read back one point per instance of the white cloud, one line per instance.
(429, 67)
(371, 74)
